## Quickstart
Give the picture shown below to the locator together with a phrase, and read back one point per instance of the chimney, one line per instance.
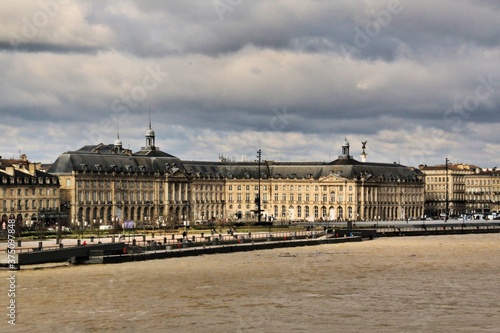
(33, 167)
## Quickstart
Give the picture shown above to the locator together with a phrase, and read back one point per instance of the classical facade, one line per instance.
(482, 191)
(106, 184)
(445, 188)
(28, 194)
(341, 190)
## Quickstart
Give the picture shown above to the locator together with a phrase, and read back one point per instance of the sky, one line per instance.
(418, 80)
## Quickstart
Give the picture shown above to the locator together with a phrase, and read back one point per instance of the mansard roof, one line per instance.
(108, 158)
(25, 178)
(345, 168)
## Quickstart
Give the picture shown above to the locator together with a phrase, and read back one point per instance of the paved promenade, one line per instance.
(141, 239)
(173, 238)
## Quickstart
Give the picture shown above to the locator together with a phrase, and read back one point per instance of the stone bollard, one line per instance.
(113, 239)
(40, 245)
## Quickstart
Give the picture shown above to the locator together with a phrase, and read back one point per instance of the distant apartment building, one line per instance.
(26, 192)
(460, 189)
(445, 189)
(482, 191)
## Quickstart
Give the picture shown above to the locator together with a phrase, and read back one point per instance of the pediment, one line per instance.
(176, 173)
(332, 179)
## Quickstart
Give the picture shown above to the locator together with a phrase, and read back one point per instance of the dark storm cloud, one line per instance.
(415, 79)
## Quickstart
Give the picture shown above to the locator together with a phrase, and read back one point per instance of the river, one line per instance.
(407, 284)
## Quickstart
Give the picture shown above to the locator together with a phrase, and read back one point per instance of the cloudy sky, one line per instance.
(418, 80)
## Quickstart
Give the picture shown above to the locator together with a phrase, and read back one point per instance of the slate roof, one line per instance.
(24, 178)
(105, 158)
(345, 168)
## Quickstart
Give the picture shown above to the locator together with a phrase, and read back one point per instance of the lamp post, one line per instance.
(259, 156)
(446, 195)
(99, 231)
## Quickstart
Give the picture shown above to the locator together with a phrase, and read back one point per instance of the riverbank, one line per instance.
(141, 247)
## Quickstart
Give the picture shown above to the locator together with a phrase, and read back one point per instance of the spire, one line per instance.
(150, 115)
(118, 143)
(150, 134)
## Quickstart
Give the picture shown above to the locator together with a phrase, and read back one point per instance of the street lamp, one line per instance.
(259, 156)
(99, 231)
(446, 195)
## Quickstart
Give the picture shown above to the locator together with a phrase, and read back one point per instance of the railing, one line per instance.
(176, 240)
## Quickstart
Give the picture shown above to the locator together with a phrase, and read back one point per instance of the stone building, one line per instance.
(106, 184)
(28, 194)
(482, 191)
(460, 189)
(342, 190)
